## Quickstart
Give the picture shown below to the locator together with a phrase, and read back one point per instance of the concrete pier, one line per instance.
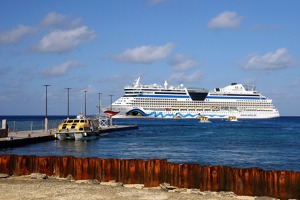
(16, 139)
(109, 129)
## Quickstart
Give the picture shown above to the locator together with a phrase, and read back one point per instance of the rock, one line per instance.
(81, 181)
(137, 186)
(38, 176)
(4, 175)
(70, 178)
(167, 186)
(180, 190)
(112, 183)
(202, 193)
(93, 181)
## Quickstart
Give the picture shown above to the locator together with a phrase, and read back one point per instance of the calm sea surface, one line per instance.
(266, 144)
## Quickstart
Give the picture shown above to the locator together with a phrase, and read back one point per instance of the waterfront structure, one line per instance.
(239, 100)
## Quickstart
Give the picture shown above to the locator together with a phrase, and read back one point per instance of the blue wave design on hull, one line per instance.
(138, 112)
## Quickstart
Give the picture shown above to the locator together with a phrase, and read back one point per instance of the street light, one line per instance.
(46, 115)
(111, 101)
(68, 101)
(85, 102)
(99, 103)
(110, 118)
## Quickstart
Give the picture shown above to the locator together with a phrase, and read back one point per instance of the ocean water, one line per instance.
(270, 144)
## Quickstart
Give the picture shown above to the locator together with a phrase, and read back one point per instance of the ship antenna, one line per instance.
(137, 82)
(166, 85)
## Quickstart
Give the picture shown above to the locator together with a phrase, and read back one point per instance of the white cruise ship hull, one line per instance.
(141, 113)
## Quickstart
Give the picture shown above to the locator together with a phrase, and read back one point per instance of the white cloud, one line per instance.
(16, 34)
(182, 63)
(58, 20)
(61, 69)
(226, 19)
(277, 60)
(183, 77)
(63, 41)
(145, 54)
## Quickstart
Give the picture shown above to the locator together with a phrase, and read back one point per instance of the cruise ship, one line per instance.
(156, 101)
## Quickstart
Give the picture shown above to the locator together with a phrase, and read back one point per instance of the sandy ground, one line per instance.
(33, 187)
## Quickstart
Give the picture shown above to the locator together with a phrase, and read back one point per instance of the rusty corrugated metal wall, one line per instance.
(152, 172)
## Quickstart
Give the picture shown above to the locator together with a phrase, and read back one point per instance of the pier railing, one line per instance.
(16, 126)
(281, 184)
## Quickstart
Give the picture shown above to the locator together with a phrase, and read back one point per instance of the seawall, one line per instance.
(152, 172)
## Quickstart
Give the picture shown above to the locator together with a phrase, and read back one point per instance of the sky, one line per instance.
(101, 46)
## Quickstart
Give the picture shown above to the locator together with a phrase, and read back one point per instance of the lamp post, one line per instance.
(111, 101)
(68, 101)
(85, 102)
(46, 115)
(110, 118)
(99, 103)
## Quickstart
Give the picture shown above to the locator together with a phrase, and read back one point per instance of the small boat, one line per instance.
(204, 119)
(232, 119)
(80, 128)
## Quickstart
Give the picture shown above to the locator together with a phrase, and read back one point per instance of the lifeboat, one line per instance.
(110, 113)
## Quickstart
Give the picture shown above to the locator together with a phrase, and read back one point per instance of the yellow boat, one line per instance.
(232, 119)
(204, 119)
(80, 128)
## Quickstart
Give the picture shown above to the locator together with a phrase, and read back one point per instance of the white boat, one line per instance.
(156, 101)
(232, 119)
(80, 128)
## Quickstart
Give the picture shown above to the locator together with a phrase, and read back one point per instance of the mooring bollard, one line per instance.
(5, 129)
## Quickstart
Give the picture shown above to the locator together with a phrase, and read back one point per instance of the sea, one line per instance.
(269, 144)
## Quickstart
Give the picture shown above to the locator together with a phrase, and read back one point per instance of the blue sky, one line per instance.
(101, 46)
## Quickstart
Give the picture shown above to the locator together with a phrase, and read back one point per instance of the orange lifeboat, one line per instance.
(110, 113)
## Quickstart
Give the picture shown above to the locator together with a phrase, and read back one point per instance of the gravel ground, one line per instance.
(42, 187)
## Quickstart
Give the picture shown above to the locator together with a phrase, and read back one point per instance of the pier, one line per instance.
(20, 138)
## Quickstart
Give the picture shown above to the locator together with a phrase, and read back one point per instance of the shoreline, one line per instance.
(40, 186)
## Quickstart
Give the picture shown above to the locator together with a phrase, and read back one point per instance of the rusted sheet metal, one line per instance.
(109, 169)
(77, 172)
(172, 174)
(254, 181)
(84, 168)
(289, 184)
(63, 166)
(6, 166)
(155, 172)
(205, 183)
(132, 171)
(24, 165)
(189, 176)
(44, 164)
